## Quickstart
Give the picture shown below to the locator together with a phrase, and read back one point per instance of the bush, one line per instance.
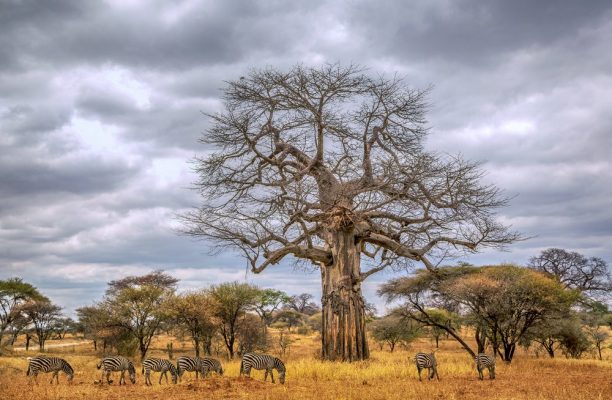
(127, 345)
(252, 335)
(315, 322)
(573, 340)
(303, 330)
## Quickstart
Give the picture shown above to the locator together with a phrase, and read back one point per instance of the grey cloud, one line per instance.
(25, 177)
(105, 106)
(469, 32)
(209, 33)
(522, 86)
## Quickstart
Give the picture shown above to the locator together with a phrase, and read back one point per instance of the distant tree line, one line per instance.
(24, 310)
(557, 304)
(230, 317)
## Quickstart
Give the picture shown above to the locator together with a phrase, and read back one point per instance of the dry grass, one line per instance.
(385, 376)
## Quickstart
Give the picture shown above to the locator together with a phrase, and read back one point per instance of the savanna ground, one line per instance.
(385, 376)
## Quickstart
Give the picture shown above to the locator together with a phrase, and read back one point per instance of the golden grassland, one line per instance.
(385, 376)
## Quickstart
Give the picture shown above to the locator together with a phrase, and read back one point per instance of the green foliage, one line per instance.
(14, 293)
(16, 289)
(572, 338)
(233, 300)
(267, 302)
(315, 322)
(136, 304)
(251, 335)
(126, 344)
(291, 318)
(392, 329)
(194, 314)
(504, 300)
(43, 315)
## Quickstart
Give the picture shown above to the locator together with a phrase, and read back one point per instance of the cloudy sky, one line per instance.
(101, 108)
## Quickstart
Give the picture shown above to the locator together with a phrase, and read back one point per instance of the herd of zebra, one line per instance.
(205, 365)
(428, 361)
(121, 364)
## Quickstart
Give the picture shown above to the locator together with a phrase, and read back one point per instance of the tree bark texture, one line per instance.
(344, 333)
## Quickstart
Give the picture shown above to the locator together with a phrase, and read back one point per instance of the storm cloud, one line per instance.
(102, 105)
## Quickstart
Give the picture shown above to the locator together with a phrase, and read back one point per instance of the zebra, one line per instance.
(158, 365)
(185, 363)
(485, 361)
(117, 363)
(427, 360)
(262, 361)
(208, 364)
(49, 364)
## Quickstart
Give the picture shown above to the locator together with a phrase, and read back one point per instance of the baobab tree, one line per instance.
(327, 165)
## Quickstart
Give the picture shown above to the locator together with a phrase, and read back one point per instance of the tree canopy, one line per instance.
(327, 165)
(503, 301)
(587, 274)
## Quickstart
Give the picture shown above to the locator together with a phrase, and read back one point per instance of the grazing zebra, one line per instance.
(208, 364)
(262, 361)
(485, 361)
(49, 364)
(158, 365)
(427, 360)
(117, 363)
(185, 363)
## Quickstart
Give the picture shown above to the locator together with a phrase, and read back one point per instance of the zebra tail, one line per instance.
(241, 366)
(99, 365)
(142, 372)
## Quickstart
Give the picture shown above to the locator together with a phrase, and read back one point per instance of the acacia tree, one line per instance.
(136, 305)
(392, 329)
(505, 301)
(43, 315)
(327, 165)
(95, 324)
(233, 299)
(194, 313)
(13, 294)
(267, 302)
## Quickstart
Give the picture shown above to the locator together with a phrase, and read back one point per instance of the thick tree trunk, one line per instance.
(207, 345)
(549, 346)
(343, 331)
(481, 339)
(143, 349)
(196, 346)
(599, 350)
(509, 351)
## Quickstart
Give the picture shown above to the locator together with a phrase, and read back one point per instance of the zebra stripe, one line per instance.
(427, 360)
(485, 361)
(185, 363)
(210, 364)
(49, 364)
(262, 361)
(117, 363)
(158, 365)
